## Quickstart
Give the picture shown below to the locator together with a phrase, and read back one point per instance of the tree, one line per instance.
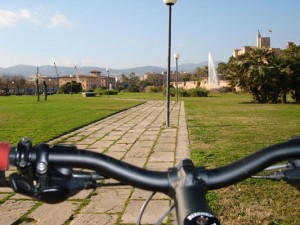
(256, 71)
(222, 68)
(200, 73)
(66, 88)
(133, 81)
(291, 68)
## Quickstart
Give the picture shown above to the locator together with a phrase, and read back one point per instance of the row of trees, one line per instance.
(13, 84)
(269, 77)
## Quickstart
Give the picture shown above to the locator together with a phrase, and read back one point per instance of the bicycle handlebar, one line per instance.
(186, 184)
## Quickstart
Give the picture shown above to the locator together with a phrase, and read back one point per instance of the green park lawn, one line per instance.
(227, 127)
(42, 121)
(222, 128)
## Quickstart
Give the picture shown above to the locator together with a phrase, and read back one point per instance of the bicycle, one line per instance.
(47, 174)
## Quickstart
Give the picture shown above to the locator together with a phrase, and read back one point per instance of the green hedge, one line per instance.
(194, 92)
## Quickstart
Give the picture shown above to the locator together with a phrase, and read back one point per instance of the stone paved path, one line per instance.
(138, 136)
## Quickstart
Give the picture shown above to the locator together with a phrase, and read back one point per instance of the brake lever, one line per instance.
(47, 183)
(277, 176)
(289, 172)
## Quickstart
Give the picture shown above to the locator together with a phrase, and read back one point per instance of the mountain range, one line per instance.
(27, 70)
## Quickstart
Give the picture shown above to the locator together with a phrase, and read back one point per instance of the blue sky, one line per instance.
(123, 34)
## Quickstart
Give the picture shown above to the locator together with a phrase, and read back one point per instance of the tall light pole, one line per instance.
(107, 70)
(176, 56)
(71, 85)
(169, 3)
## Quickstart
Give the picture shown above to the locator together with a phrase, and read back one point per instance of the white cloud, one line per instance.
(10, 18)
(25, 14)
(59, 20)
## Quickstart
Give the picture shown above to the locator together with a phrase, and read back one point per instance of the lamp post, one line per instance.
(13, 87)
(176, 56)
(107, 70)
(169, 3)
(50, 85)
(71, 85)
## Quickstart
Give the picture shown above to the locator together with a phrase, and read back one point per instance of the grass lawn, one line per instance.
(42, 121)
(226, 127)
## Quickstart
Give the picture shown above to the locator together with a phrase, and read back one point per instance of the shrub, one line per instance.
(198, 92)
(183, 92)
(194, 92)
(111, 92)
(151, 89)
(172, 91)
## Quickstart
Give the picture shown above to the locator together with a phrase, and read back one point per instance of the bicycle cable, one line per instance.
(169, 209)
(138, 222)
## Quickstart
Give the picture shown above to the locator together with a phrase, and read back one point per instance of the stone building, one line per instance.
(261, 42)
(88, 82)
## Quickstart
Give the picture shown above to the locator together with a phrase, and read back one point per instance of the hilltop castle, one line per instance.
(261, 42)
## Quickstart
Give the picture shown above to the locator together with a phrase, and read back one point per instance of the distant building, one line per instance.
(261, 42)
(90, 81)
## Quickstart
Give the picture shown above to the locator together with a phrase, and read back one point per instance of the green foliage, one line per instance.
(153, 89)
(197, 92)
(194, 92)
(266, 75)
(111, 92)
(69, 87)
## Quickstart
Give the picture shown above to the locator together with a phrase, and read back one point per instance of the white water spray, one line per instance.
(213, 78)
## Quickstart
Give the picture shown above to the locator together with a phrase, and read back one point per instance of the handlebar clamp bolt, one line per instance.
(25, 139)
(41, 168)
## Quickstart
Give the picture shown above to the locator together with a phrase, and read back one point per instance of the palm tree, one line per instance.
(291, 65)
(255, 71)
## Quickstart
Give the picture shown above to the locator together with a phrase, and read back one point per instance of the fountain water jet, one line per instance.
(213, 78)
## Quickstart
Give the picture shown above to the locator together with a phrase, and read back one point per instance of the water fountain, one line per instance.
(213, 78)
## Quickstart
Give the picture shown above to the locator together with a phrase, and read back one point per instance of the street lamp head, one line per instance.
(169, 2)
(176, 56)
(107, 69)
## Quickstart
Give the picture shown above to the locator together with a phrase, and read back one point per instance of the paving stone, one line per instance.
(162, 157)
(54, 214)
(116, 155)
(136, 152)
(2, 196)
(139, 162)
(100, 144)
(93, 219)
(148, 138)
(159, 166)
(152, 213)
(83, 194)
(12, 210)
(119, 147)
(140, 144)
(165, 147)
(107, 201)
(139, 194)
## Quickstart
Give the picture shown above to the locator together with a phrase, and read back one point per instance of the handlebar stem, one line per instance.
(189, 193)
